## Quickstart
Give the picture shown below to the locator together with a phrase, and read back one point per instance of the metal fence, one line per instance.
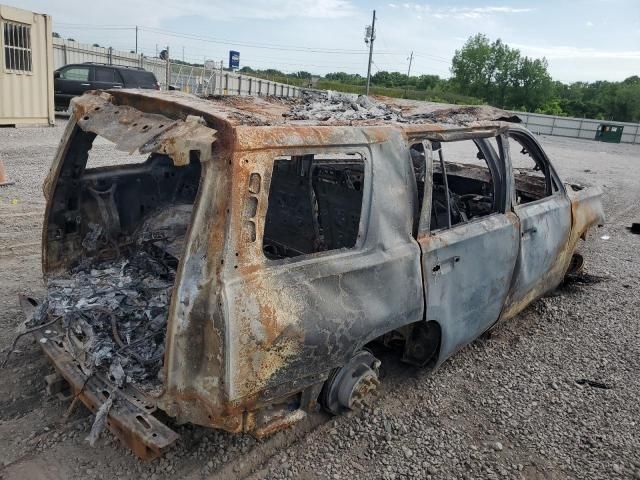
(197, 80)
(584, 128)
(216, 81)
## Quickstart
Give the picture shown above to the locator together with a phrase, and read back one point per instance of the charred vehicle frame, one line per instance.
(296, 242)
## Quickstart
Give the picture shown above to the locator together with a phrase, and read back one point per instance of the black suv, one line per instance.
(75, 79)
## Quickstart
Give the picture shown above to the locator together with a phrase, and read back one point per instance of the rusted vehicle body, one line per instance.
(300, 243)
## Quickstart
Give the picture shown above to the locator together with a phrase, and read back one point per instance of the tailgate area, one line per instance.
(130, 417)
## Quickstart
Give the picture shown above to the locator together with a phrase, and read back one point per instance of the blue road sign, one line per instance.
(234, 59)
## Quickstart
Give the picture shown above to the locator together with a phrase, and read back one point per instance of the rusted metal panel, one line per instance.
(294, 321)
(545, 226)
(467, 273)
(132, 130)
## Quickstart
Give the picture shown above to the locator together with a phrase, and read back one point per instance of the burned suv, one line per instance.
(237, 277)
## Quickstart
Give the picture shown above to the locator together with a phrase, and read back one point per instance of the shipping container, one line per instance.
(26, 68)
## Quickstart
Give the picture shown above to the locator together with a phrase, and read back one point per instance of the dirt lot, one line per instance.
(511, 405)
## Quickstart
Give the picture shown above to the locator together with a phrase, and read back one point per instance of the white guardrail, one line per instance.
(196, 80)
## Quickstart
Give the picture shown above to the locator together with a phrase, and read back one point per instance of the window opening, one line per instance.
(530, 171)
(464, 188)
(17, 47)
(315, 203)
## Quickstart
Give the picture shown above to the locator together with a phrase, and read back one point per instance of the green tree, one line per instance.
(471, 67)
(427, 82)
(499, 74)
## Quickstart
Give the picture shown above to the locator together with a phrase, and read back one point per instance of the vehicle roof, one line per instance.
(176, 123)
(129, 68)
(316, 108)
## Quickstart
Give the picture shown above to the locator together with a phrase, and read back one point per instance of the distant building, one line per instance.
(26, 67)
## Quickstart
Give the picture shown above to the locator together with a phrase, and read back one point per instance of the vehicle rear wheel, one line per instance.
(350, 386)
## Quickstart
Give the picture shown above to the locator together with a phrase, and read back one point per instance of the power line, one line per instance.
(432, 57)
(270, 60)
(202, 38)
(336, 51)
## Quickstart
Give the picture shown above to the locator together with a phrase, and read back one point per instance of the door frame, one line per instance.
(502, 177)
(550, 278)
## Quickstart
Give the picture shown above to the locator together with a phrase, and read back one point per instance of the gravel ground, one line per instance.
(550, 394)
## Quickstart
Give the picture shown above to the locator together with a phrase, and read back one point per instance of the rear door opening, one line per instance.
(117, 233)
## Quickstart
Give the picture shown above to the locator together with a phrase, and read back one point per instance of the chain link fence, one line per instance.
(200, 81)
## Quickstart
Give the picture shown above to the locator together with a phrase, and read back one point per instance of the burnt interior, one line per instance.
(315, 204)
(470, 191)
(115, 235)
(105, 212)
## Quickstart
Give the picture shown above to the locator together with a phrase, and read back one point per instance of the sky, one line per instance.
(582, 40)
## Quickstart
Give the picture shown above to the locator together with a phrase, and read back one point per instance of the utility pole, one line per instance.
(168, 73)
(221, 67)
(183, 53)
(370, 36)
(408, 75)
(136, 38)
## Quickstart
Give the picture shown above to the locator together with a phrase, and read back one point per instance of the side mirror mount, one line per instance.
(56, 75)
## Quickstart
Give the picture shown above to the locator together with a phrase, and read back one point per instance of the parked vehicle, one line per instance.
(295, 240)
(75, 79)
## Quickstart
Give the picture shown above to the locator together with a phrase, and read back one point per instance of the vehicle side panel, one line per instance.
(545, 226)
(289, 322)
(467, 273)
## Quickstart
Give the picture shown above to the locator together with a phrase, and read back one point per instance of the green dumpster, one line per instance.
(608, 132)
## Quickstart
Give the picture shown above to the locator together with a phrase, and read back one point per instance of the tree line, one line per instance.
(503, 77)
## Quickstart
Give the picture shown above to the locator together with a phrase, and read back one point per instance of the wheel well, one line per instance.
(419, 342)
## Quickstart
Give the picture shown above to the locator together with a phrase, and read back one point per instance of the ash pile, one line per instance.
(463, 115)
(114, 317)
(341, 107)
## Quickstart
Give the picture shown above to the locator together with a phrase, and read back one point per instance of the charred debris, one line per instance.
(337, 108)
(113, 314)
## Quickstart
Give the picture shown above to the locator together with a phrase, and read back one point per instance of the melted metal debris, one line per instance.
(463, 115)
(328, 106)
(324, 106)
(114, 316)
(100, 422)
